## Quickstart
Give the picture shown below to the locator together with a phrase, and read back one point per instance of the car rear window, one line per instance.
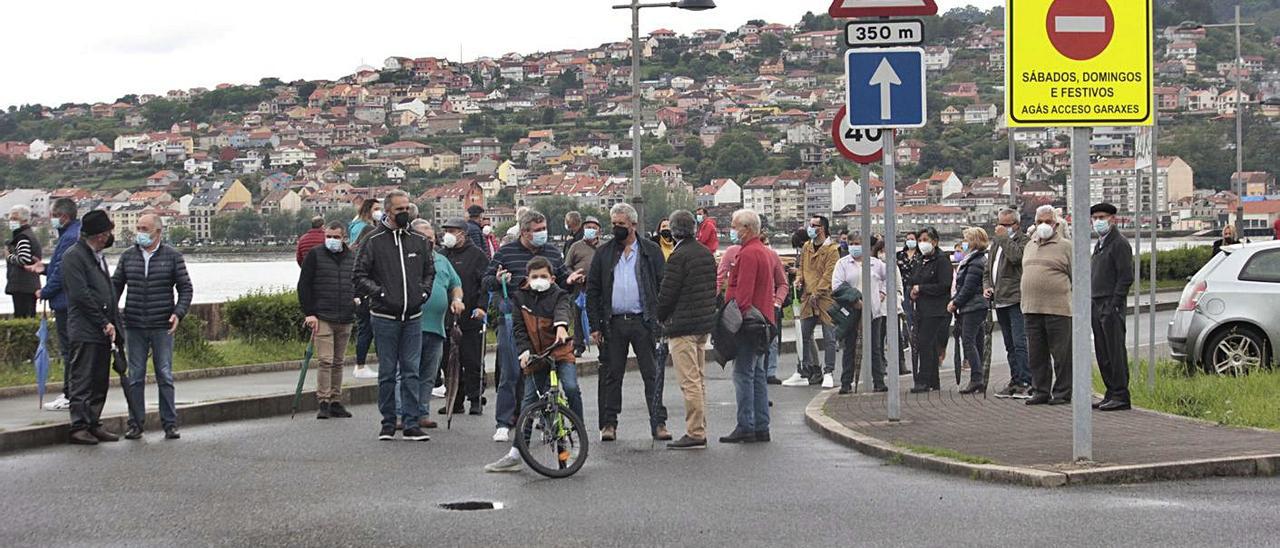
(1263, 266)
(1209, 266)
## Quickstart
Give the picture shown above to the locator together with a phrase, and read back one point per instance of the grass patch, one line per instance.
(1161, 285)
(226, 353)
(944, 453)
(1248, 401)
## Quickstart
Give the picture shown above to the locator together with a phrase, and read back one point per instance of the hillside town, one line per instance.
(733, 118)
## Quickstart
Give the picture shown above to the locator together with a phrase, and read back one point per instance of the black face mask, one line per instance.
(621, 233)
(402, 219)
(665, 234)
(111, 241)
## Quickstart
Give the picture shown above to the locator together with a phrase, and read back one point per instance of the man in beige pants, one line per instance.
(327, 297)
(687, 310)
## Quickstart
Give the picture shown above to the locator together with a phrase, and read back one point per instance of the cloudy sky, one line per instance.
(87, 50)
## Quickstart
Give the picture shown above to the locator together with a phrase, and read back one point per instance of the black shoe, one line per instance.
(773, 380)
(578, 353)
(738, 436)
(414, 433)
(686, 442)
(815, 380)
(134, 433)
(171, 433)
(921, 389)
(476, 408)
(880, 389)
(337, 411)
(1101, 403)
(103, 435)
(83, 437)
(1038, 398)
(845, 389)
(763, 436)
(972, 388)
(1059, 401)
(323, 412)
(457, 410)
(387, 433)
(1115, 405)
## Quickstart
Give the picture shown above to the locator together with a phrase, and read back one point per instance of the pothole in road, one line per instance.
(471, 505)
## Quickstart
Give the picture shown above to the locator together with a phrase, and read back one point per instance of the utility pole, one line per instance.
(1239, 133)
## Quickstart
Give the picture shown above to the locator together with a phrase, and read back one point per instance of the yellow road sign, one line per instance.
(1078, 62)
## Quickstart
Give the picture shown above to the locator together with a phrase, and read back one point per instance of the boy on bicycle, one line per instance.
(545, 316)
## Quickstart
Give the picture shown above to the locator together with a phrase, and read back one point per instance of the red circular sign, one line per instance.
(864, 146)
(1080, 29)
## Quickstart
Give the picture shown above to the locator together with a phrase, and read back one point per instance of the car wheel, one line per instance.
(1236, 351)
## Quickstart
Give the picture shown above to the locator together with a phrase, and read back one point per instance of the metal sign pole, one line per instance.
(1156, 200)
(1081, 328)
(864, 377)
(891, 279)
(1137, 275)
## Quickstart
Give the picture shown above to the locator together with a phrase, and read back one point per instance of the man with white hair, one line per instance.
(1046, 305)
(751, 289)
(22, 251)
(622, 306)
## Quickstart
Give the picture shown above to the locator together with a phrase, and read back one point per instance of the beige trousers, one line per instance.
(688, 353)
(331, 348)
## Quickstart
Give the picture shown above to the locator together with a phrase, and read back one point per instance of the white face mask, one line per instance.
(926, 248)
(1044, 231)
(14, 225)
(449, 240)
(539, 284)
(487, 230)
(377, 215)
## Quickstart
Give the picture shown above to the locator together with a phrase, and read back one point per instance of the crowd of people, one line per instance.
(392, 278)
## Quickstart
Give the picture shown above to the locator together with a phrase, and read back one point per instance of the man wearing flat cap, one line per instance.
(1112, 264)
(470, 262)
(91, 316)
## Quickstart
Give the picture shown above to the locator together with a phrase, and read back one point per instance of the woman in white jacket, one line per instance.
(848, 271)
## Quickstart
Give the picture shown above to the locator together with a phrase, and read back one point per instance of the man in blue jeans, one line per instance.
(152, 271)
(1002, 284)
(63, 217)
(395, 270)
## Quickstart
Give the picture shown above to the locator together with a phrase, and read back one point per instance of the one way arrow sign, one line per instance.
(882, 8)
(886, 87)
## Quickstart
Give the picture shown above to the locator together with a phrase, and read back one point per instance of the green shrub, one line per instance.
(262, 316)
(190, 342)
(18, 341)
(1176, 264)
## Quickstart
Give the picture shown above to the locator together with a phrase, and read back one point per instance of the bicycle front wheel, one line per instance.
(551, 439)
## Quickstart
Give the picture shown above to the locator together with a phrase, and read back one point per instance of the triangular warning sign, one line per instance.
(882, 8)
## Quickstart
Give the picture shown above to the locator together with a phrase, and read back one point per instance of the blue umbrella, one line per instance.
(506, 335)
(42, 356)
(586, 325)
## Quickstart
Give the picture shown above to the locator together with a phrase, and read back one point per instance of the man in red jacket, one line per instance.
(751, 288)
(311, 238)
(707, 235)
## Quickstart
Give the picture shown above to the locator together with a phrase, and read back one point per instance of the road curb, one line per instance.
(1233, 466)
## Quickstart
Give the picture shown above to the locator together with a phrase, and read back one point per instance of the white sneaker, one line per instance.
(796, 380)
(507, 463)
(828, 380)
(439, 391)
(60, 404)
(361, 372)
(502, 435)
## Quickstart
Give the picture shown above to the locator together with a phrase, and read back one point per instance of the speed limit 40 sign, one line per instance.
(862, 145)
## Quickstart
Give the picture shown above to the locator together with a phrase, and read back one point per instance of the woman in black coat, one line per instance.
(970, 305)
(930, 291)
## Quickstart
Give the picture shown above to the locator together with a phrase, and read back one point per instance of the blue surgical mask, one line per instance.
(855, 252)
(813, 233)
(1101, 226)
(911, 244)
(56, 222)
(699, 217)
(964, 246)
(143, 239)
(15, 225)
(540, 238)
(333, 244)
(589, 233)
(733, 235)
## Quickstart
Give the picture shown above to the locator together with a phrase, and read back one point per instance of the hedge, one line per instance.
(261, 316)
(1176, 264)
(18, 341)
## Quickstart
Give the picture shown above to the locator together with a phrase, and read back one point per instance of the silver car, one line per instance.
(1228, 319)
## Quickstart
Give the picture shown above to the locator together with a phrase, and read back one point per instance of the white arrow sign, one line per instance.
(886, 78)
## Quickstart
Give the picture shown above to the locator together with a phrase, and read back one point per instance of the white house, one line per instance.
(719, 192)
(937, 58)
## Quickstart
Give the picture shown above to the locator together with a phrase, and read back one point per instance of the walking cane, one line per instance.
(302, 373)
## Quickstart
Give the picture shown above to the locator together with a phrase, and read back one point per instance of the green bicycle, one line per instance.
(551, 438)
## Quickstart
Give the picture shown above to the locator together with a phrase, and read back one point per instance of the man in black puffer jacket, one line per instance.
(394, 268)
(687, 310)
(327, 296)
(152, 271)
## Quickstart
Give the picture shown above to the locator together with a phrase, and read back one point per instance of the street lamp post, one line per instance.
(636, 115)
(1239, 65)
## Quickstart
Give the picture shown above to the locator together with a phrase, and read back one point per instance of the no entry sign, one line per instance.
(1078, 62)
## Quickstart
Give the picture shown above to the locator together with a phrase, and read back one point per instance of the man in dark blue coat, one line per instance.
(153, 272)
(65, 218)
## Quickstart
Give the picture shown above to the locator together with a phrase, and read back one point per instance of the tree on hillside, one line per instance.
(660, 201)
(770, 45)
(178, 234)
(555, 207)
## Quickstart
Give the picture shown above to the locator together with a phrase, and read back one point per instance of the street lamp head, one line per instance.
(696, 5)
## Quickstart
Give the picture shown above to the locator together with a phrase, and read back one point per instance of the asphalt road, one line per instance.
(331, 483)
